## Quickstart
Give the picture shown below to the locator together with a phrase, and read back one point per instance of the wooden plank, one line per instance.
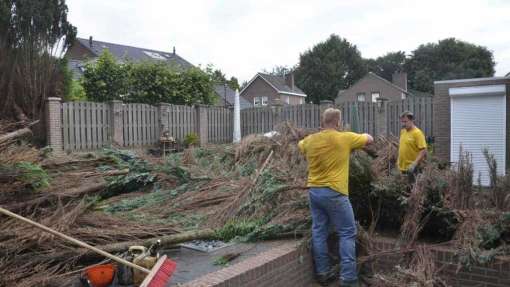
(100, 125)
(93, 123)
(65, 124)
(72, 126)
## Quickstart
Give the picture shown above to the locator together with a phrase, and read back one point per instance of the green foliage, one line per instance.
(139, 175)
(328, 67)
(33, 175)
(448, 59)
(147, 200)
(146, 82)
(174, 170)
(221, 261)
(33, 35)
(237, 228)
(219, 77)
(191, 139)
(385, 66)
(76, 92)
(105, 79)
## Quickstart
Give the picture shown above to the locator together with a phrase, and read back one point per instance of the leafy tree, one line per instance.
(233, 83)
(219, 77)
(448, 59)
(33, 35)
(279, 71)
(328, 67)
(146, 82)
(105, 79)
(385, 66)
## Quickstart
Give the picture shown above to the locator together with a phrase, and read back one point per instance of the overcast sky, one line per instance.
(245, 37)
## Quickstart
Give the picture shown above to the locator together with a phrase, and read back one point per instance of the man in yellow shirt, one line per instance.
(327, 153)
(413, 147)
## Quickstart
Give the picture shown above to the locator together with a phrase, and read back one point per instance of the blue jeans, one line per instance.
(328, 206)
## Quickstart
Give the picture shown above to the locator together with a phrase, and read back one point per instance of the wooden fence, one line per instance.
(363, 117)
(139, 124)
(180, 120)
(420, 107)
(88, 126)
(85, 125)
(220, 124)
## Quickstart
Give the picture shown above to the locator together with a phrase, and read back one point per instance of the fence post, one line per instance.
(54, 124)
(276, 109)
(381, 118)
(116, 126)
(163, 114)
(202, 124)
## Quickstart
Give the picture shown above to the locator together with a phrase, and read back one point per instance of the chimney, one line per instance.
(400, 79)
(174, 50)
(90, 41)
(289, 80)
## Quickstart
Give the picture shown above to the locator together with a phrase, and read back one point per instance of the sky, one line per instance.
(245, 37)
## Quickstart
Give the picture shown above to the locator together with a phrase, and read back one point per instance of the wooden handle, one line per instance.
(75, 241)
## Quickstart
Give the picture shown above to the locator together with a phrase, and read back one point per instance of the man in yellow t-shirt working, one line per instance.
(327, 153)
(412, 148)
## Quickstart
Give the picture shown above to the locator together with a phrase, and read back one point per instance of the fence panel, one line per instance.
(139, 124)
(220, 124)
(421, 107)
(85, 125)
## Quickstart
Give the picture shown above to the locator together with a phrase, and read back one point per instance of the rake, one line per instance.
(159, 276)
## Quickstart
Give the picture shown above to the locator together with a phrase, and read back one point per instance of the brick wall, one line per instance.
(287, 265)
(442, 112)
(259, 88)
(367, 85)
(291, 265)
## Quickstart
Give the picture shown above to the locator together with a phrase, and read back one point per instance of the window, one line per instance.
(403, 96)
(154, 55)
(256, 101)
(264, 101)
(375, 96)
(286, 99)
(300, 101)
(361, 97)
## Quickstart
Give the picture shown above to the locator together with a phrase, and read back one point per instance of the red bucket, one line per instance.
(100, 275)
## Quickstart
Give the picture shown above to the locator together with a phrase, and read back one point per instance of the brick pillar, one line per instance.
(381, 118)
(116, 126)
(276, 108)
(163, 114)
(202, 124)
(54, 137)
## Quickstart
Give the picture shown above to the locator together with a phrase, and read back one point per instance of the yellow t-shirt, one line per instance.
(327, 153)
(411, 143)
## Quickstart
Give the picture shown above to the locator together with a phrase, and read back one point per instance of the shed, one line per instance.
(472, 114)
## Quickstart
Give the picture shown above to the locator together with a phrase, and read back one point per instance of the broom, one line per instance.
(159, 276)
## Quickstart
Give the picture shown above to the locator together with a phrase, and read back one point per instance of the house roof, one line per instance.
(133, 53)
(387, 82)
(409, 92)
(76, 67)
(226, 93)
(277, 83)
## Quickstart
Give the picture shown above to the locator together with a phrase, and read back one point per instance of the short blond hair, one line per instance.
(331, 117)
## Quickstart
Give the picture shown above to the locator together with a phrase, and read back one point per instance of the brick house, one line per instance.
(474, 114)
(371, 87)
(83, 50)
(264, 89)
(227, 97)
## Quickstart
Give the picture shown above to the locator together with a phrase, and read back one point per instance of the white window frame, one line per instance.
(287, 100)
(264, 101)
(256, 101)
(361, 97)
(375, 96)
(301, 100)
(403, 96)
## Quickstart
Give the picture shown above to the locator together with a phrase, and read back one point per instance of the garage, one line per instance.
(478, 122)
